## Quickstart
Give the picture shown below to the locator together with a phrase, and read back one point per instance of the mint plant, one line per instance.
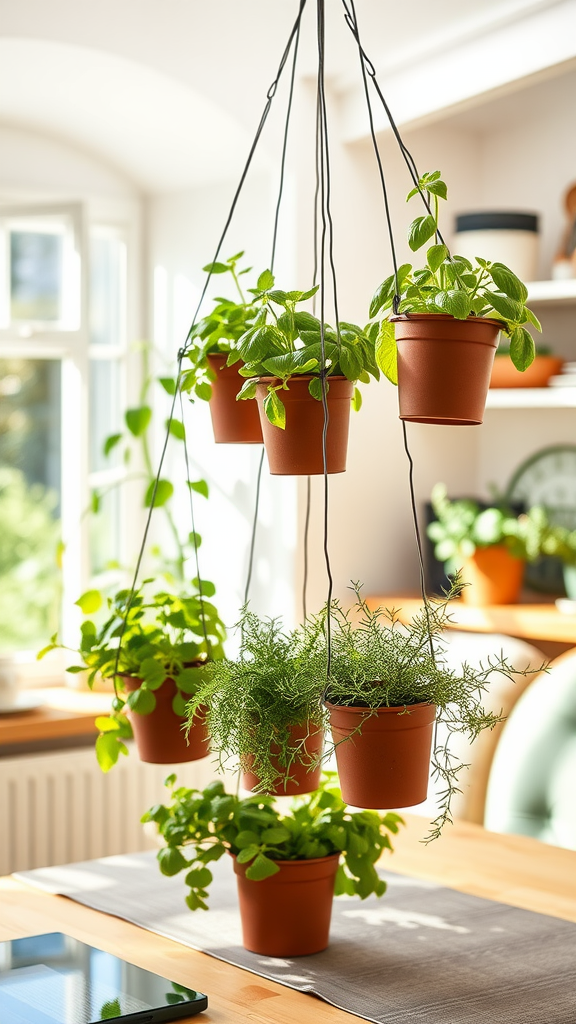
(199, 827)
(451, 285)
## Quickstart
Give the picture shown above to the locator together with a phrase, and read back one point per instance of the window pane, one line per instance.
(29, 501)
(104, 411)
(107, 282)
(36, 274)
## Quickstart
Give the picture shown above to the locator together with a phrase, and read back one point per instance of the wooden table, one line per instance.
(63, 715)
(511, 869)
(551, 630)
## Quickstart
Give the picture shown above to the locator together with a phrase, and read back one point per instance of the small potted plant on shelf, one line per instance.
(438, 345)
(287, 865)
(561, 544)
(213, 375)
(166, 641)
(282, 356)
(489, 547)
(544, 366)
(389, 683)
(264, 710)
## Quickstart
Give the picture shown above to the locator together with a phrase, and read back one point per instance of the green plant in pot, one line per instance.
(264, 710)
(438, 343)
(488, 546)
(286, 864)
(282, 356)
(166, 641)
(213, 374)
(389, 683)
(561, 544)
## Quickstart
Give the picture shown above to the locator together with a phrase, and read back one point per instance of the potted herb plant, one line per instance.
(389, 683)
(213, 375)
(488, 546)
(166, 642)
(287, 865)
(438, 344)
(282, 356)
(264, 710)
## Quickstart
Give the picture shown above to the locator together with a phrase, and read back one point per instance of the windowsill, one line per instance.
(63, 717)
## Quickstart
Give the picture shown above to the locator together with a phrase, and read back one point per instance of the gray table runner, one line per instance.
(423, 954)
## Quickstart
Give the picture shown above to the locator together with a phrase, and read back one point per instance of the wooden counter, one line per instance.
(64, 714)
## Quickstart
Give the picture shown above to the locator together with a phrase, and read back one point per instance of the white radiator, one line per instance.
(59, 807)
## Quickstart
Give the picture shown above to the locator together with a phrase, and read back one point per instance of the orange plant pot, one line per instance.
(444, 367)
(297, 450)
(298, 777)
(383, 758)
(159, 736)
(232, 422)
(494, 577)
(505, 375)
(289, 913)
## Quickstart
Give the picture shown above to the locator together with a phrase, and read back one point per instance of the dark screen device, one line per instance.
(55, 979)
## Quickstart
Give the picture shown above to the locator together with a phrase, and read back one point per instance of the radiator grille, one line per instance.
(59, 807)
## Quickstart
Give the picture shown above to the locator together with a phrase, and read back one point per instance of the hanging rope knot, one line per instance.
(181, 354)
(396, 304)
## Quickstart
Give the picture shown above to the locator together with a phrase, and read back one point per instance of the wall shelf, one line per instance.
(555, 293)
(531, 398)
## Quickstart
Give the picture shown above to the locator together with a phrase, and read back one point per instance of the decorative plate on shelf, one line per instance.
(547, 478)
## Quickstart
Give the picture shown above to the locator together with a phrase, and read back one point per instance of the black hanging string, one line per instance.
(306, 537)
(182, 352)
(254, 523)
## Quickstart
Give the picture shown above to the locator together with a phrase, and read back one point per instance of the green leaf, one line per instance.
(199, 878)
(522, 349)
(246, 838)
(357, 400)
(216, 268)
(171, 861)
(203, 391)
(152, 672)
(266, 281)
(200, 486)
(107, 724)
(315, 388)
(435, 256)
(90, 601)
(351, 362)
(164, 491)
(176, 428)
(508, 308)
(108, 750)
(205, 587)
(386, 352)
(95, 502)
(111, 443)
(248, 853)
(138, 419)
(262, 867)
(179, 705)
(507, 282)
(248, 389)
(455, 302)
(142, 701)
(420, 231)
(168, 384)
(275, 410)
(532, 318)
(275, 835)
(45, 650)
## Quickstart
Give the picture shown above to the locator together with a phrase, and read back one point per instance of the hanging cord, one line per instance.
(306, 535)
(417, 533)
(194, 537)
(254, 525)
(182, 352)
(285, 144)
(326, 225)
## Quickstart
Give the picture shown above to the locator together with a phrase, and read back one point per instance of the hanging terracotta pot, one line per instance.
(159, 736)
(383, 757)
(444, 367)
(297, 777)
(297, 450)
(233, 422)
(494, 577)
(289, 913)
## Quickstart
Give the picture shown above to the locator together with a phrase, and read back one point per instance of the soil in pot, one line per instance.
(159, 736)
(232, 422)
(297, 450)
(289, 913)
(383, 757)
(444, 367)
(298, 777)
(494, 577)
(537, 375)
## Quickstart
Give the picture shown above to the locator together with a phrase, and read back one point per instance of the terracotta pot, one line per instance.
(386, 763)
(159, 736)
(289, 913)
(444, 367)
(494, 577)
(301, 778)
(297, 450)
(232, 422)
(505, 374)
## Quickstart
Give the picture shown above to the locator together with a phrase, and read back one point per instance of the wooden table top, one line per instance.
(64, 712)
(511, 869)
(528, 621)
